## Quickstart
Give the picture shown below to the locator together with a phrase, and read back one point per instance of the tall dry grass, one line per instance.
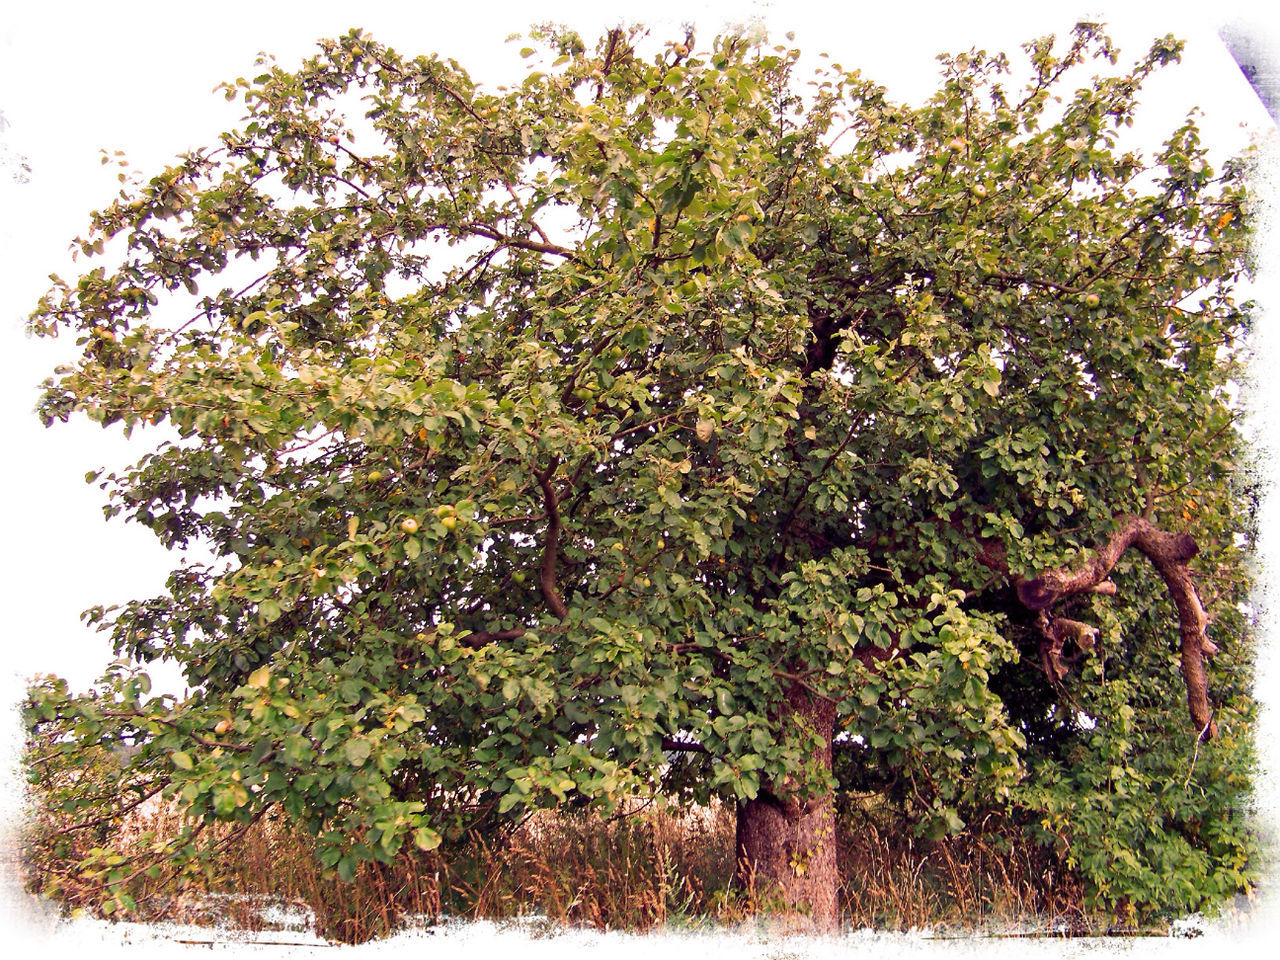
(978, 880)
(636, 871)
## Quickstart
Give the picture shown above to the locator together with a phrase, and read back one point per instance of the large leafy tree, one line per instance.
(661, 427)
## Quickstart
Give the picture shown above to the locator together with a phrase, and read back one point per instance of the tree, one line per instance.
(654, 428)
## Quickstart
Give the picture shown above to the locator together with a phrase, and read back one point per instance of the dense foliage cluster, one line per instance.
(663, 427)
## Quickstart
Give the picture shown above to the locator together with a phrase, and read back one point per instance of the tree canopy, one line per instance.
(662, 426)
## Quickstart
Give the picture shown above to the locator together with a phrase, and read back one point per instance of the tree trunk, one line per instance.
(786, 844)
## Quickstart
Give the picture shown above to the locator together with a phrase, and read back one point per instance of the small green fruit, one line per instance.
(449, 522)
(409, 525)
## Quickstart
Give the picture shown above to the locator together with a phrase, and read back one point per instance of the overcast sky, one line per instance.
(137, 77)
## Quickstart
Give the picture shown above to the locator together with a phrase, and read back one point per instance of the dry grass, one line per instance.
(891, 880)
(637, 871)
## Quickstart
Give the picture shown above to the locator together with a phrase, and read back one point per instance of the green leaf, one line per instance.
(226, 799)
(424, 838)
(347, 868)
(724, 701)
(357, 750)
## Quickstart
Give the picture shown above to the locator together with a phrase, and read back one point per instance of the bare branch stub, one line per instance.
(1056, 633)
(1170, 553)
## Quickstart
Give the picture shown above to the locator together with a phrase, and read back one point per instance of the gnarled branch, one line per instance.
(1170, 553)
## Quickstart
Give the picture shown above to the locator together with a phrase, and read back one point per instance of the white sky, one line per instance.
(138, 77)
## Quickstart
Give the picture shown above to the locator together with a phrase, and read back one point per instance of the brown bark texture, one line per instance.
(786, 843)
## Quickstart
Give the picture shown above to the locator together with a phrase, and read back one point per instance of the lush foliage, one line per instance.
(549, 440)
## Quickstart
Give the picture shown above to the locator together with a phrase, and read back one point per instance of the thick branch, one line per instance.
(551, 550)
(1169, 552)
(521, 243)
(479, 638)
(615, 38)
(1165, 550)
(546, 576)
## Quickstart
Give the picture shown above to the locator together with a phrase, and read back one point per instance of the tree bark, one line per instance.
(786, 843)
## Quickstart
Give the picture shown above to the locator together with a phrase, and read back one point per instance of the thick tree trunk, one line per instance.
(786, 843)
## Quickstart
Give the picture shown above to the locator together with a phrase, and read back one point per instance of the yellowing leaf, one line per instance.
(424, 838)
